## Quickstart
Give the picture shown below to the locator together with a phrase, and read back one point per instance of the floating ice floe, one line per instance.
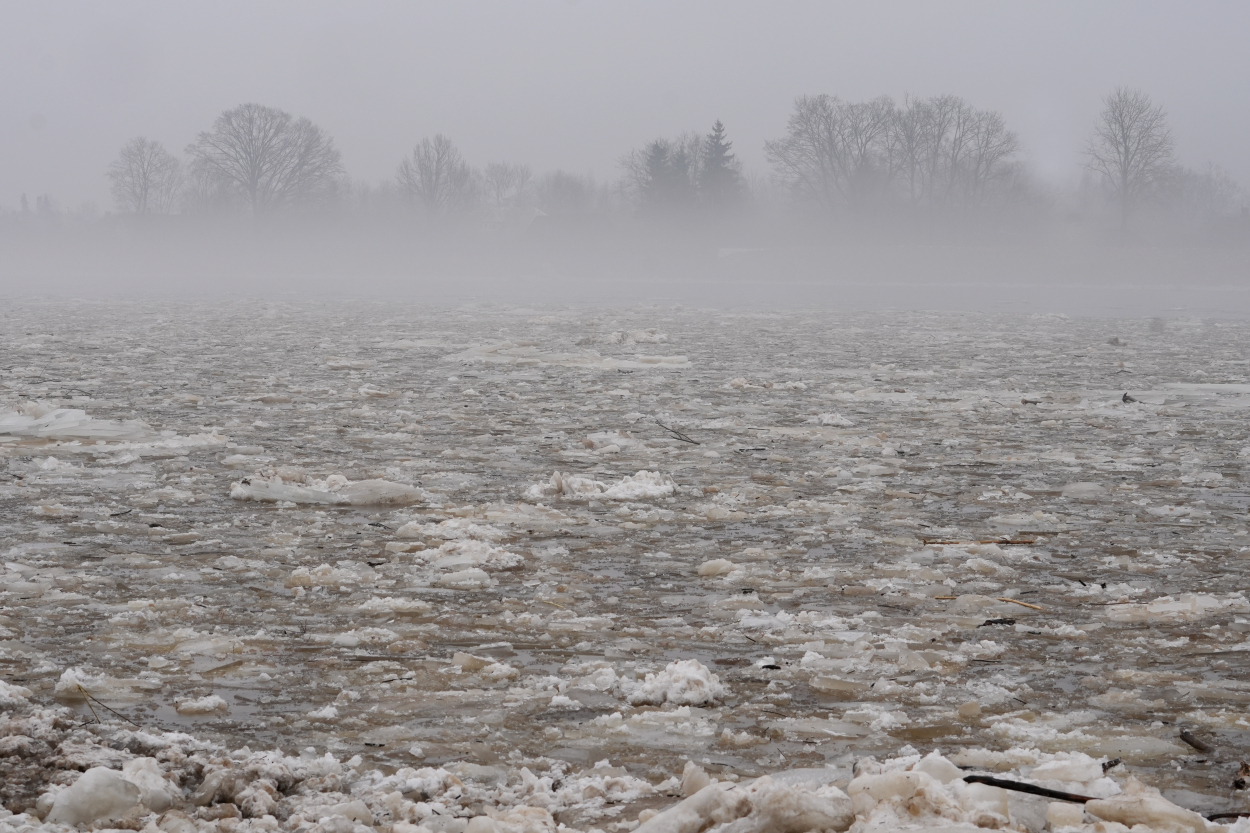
(528, 353)
(73, 428)
(212, 704)
(99, 793)
(641, 486)
(472, 578)
(450, 529)
(391, 605)
(717, 567)
(41, 421)
(334, 490)
(1032, 520)
(685, 682)
(833, 419)
(466, 553)
(648, 336)
(1181, 608)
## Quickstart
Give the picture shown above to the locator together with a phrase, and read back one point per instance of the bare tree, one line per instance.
(990, 147)
(1131, 149)
(944, 153)
(834, 152)
(205, 191)
(438, 178)
(274, 159)
(145, 178)
(507, 184)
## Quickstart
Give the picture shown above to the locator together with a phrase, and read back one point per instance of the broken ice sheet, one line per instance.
(941, 531)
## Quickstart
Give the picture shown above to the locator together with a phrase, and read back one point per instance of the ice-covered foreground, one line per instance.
(510, 570)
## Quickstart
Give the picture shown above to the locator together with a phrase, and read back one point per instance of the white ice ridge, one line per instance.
(641, 486)
(45, 422)
(73, 427)
(186, 785)
(528, 353)
(335, 490)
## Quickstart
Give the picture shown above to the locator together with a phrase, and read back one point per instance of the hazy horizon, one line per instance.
(574, 85)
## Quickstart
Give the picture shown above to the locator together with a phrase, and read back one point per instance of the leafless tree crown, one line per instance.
(145, 178)
(438, 178)
(273, 159)
(1131, 149)
(936, 152)
(507, 184)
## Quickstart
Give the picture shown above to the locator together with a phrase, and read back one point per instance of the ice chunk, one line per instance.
(717, 567)
(833, 419)
(470, 579)
(468, 662)
(212, 704)
(13, 696)
(389, 604)
(74, 685)
(357, 811)
(940, 769)
(1083, 490)
(1061, 814)
(762, 806)
(1181, 608)
(685, 682)
(1140, 804)
(780, 808)
(450, 530)
(693, 779)
(1069, 767)
(99, 793)
(71, 424)
(714, 804)
(527, 353)
(334, 490)
(324, 575)
(641, 486)
(155, 793)
(368, 636)
(381, 493)
(458, 555)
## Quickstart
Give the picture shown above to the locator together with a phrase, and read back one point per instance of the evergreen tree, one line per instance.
(720, 179)
(665, 175)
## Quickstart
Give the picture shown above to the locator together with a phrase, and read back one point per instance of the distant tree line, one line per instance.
(937, 153)
(937, 157)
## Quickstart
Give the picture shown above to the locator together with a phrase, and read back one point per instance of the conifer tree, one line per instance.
(720, 179)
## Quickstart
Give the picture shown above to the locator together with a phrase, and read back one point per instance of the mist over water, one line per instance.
(658, 417)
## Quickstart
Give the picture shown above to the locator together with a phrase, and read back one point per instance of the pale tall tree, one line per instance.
(1131, 149)
(145, 178)
(274, 159)
(507, 184)
(437, 178)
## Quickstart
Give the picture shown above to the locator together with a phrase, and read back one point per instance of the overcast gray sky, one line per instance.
(576, 83)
